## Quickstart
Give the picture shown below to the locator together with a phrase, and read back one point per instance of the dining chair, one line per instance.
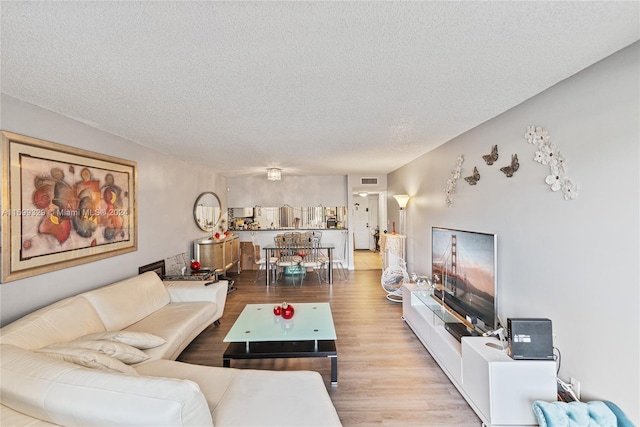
(311, 256)
(261, 263)
(321, 256)
(340, 255)
(288, 258)
(292, 236)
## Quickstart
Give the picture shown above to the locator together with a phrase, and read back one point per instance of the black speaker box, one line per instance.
(530, 339)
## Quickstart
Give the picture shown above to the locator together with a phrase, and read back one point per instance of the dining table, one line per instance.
(271, 250)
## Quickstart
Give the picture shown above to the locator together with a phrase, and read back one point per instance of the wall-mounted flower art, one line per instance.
(549, 154)
(452, 181)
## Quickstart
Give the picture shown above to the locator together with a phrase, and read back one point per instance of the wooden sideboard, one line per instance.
(218, 254)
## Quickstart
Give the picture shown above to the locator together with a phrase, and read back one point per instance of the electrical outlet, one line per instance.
(575, 387)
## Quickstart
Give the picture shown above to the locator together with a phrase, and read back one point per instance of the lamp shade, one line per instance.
(274, 174)
(402, 200)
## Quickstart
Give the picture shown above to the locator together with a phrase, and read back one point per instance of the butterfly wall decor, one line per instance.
(490, 158)
(511, 169)
(473, 179)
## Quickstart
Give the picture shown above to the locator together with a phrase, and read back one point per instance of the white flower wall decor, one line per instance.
(452, 181)
(549, 154)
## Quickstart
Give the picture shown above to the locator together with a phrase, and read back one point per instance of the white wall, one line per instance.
(165, 205)
(291, 190)
(575, 262)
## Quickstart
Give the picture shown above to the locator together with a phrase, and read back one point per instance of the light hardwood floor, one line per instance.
(364, 259)
(385, 375)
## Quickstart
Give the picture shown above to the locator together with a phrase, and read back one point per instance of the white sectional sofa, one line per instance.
(107, 357)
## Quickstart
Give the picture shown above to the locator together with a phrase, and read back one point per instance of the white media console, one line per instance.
(499, 389)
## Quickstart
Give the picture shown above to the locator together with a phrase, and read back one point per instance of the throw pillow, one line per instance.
(123, 352)
(89, 359)
(141, 340)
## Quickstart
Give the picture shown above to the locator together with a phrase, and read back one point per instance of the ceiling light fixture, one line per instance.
(274, 174)
(363, 194)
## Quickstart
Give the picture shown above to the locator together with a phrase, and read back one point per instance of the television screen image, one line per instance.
(464, 272)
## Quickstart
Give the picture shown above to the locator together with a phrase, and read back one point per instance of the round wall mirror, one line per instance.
(207, 211)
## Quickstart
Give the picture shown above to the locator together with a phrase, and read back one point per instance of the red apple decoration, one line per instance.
(277, 310)
(287, 311)
(217, 236)
(195, 265)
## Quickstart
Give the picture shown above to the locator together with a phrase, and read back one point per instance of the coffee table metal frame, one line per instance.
(260, 334)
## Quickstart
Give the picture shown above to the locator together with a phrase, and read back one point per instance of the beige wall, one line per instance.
(165, 203)
(575, 262)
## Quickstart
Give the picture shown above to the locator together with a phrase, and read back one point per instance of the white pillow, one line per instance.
(123, 352)
(141, 340)
(89, 359)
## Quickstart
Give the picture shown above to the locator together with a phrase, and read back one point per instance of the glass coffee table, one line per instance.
(260, 334)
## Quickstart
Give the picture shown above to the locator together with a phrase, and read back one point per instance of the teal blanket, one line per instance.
(580, 414)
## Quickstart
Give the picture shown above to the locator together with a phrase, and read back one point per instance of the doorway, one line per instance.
(365, 220)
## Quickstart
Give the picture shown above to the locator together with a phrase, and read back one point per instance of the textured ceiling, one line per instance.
(316, 88)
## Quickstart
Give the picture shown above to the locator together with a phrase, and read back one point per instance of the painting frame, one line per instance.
(63, 206)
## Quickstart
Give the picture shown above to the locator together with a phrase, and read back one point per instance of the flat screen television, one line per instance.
(464, 274)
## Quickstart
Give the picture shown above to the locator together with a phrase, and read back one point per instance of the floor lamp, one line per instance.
(402, 200)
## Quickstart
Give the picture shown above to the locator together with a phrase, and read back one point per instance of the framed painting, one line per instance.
(63, 206)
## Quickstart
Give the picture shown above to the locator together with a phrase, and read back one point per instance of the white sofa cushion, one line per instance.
(9, 417)
(123, 352)
(61, 321)
(89, 359)
(247, 397)
(66, 394)
(194, 290)
(178, 324)
(141, 340)
(213, 380)
(126, 302)
(190, 290)
(276, 398)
